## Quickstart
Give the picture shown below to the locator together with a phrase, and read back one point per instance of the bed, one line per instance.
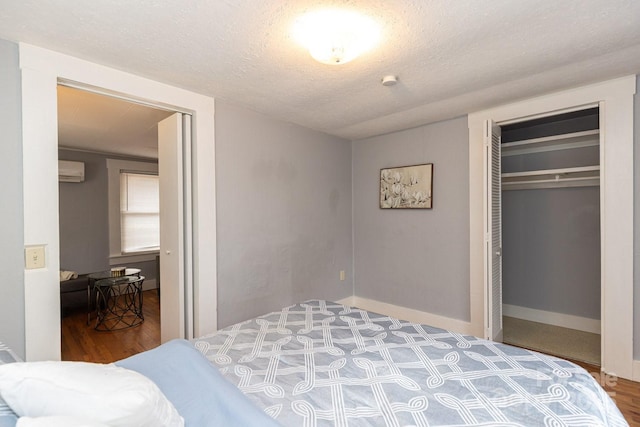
(319, 363)
(7, 417)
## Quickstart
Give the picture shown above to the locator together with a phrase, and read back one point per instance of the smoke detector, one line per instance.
(389, 80)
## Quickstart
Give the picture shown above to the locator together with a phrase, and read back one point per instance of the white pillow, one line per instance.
(57, 421)
(106, 394)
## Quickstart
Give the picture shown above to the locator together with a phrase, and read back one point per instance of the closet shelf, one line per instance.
(589, 138)
(585, 176)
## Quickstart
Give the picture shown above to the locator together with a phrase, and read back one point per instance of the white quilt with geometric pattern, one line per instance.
(320, 363)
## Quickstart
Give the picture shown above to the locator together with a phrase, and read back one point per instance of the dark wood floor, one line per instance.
(82, 342)
(625, 393)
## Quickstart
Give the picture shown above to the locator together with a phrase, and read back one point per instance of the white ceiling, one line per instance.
(87, 121)
(451, 57)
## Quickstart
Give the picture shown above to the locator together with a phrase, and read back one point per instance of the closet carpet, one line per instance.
(554, 340)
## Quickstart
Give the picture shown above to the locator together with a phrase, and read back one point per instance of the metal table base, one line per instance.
(118, 303)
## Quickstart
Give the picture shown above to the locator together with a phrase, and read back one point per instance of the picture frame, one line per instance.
(407, 187)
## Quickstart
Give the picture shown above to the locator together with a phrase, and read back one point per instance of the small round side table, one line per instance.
(119, 303)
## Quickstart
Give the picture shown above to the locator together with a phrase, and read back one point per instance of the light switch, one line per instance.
(34, 257)
(342, 275)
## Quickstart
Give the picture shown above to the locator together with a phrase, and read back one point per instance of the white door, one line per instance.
(493, 232)
(174, 306)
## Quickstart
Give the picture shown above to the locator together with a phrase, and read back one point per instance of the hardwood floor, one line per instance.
(625, 393)
(80, 342)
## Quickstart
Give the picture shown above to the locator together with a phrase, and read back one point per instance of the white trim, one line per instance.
(40, 203)
(118, 165)
(552, 318)
(615, 98)
(121, 97)
(41, 71)
(349, 301)
(114, 168)
(109, 154)
(409, 314)
(188, 162)
(141, 257)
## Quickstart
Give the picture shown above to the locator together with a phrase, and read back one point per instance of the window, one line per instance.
(134, 211)
(139, 212)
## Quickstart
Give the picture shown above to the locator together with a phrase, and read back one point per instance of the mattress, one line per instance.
(319, 363)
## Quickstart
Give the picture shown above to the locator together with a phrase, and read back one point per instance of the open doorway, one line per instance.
(551, 250)
(615, 101)
(41, 72)
(105, 142)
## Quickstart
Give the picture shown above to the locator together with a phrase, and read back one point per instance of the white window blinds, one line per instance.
(139, 212)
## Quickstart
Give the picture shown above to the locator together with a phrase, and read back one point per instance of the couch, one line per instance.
(73, 294)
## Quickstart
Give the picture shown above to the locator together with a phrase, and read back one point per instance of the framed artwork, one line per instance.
(407, 187)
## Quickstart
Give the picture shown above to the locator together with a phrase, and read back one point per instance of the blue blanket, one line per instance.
(195, 387)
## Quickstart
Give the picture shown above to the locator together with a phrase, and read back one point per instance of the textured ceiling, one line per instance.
(451, 57)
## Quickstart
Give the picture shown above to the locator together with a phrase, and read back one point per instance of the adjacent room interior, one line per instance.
(96, 134)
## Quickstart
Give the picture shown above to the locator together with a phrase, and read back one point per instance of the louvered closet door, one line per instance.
(493, 232)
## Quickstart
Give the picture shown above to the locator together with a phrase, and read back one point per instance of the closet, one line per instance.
(550, 176)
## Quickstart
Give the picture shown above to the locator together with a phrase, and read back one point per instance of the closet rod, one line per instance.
(594, 170)
(558, 182)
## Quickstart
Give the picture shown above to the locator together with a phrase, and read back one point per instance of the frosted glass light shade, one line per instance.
(336, 36)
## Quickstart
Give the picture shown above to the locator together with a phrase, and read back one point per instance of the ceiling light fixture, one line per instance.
(336, 36)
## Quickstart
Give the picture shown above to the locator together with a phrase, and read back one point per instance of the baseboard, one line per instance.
(404, 313)
(551, 318)
(347, 301)
(149, 284)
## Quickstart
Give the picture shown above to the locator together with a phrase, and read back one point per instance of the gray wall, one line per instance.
(11, 209)
(283, 213)
(84, 218)
(551, 247)
(415, 258)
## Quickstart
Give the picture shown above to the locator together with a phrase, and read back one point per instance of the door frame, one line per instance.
(615, 98)
(41, 71)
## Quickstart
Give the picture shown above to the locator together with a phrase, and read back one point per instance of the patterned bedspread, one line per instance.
(320, 363)
(7, 416)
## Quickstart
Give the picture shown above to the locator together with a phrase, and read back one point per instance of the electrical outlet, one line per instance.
(34, 257)
(342, 275)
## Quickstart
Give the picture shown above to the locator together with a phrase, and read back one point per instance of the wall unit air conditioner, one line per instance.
(70, 171)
